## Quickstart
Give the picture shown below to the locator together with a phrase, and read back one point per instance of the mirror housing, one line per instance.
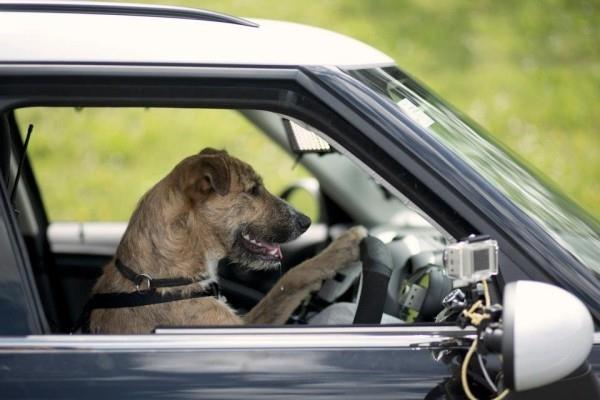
(548, 334)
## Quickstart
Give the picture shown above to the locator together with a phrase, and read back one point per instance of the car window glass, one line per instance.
(556, 214)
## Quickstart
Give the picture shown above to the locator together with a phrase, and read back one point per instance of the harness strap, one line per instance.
(136, 299)
(138, 279)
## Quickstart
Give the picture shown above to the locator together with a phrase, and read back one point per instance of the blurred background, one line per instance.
(527, 71)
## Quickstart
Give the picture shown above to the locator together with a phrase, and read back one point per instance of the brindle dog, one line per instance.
(213, 206)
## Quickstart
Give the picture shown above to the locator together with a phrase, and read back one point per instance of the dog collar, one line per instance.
(138, 279)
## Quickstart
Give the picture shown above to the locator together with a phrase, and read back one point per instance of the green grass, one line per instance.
(94, 164)
(528, 71)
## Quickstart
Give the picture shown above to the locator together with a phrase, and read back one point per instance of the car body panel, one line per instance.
(222, 374)
(155, 40)
(226, 363)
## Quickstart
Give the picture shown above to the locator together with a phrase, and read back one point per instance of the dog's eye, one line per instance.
(254, 190)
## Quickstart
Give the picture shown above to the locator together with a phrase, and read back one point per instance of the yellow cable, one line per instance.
(464, 368)
(474, 307)
(474, 317)
(486, 293)
(476, 320)
(502, 395)
(463, 375)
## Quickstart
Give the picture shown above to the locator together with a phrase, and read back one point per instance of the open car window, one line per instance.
(91, 176)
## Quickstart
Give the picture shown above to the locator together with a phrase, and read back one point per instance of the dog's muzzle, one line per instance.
(265, 243)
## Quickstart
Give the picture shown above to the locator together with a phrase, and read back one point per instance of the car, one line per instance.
(378, 149)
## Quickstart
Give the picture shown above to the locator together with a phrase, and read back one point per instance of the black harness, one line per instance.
(141, 297)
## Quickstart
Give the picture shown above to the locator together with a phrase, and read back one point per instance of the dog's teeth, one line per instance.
(246, 236)
(273, 252)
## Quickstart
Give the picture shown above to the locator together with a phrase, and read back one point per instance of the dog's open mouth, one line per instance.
(265, 250)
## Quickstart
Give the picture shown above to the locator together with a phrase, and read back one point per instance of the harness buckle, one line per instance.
(140, 278)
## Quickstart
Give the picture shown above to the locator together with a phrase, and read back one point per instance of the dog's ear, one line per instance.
(209, 151)
(214, 173)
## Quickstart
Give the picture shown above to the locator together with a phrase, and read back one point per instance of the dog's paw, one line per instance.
(352, 237)
(346, 247)
(342, 251)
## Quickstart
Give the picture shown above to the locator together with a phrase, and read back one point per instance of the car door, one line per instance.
(262, 363)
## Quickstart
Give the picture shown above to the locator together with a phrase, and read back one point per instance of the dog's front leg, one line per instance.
(287, 294)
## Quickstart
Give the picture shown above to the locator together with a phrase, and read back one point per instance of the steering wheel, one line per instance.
(376, 271)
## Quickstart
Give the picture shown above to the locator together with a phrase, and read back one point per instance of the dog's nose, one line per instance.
(302, 222)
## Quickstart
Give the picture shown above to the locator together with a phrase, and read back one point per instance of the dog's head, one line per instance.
(233, 205)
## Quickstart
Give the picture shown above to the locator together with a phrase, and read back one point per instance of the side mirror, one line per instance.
(548, 334)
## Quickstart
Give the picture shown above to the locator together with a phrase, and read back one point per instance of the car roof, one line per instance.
(89, 32)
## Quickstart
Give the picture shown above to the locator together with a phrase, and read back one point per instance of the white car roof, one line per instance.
(81, 36)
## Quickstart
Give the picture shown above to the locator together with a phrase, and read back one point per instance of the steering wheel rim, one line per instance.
(376, 271)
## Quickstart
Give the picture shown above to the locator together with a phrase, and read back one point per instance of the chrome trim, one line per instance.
(596, 337)
(241, 338)
(371, 330)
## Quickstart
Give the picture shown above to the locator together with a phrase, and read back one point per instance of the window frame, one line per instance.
(312, 94)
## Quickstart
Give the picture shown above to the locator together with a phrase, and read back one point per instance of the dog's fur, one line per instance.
(195, 216)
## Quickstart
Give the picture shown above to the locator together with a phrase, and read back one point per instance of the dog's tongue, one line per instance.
(273, 246)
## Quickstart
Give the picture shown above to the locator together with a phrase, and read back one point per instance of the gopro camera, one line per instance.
(472, 260)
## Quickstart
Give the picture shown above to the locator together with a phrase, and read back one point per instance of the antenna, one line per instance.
(18, 176)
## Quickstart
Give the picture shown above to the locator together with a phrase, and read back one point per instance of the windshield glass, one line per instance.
(551, 210)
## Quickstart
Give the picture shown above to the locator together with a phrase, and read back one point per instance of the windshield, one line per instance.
(556, 214)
